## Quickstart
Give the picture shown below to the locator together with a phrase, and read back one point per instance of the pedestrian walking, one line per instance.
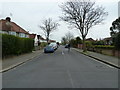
(69, 47)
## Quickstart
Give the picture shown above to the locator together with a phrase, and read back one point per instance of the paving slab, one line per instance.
(114, 61)
(12, 62)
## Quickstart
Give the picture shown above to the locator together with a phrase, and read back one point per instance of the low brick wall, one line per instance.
(110, 52)
(117, 54)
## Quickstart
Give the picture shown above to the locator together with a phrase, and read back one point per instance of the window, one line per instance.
(27, 36)
(12, 33)
(21, 35)
(1, 31)
(4, 32)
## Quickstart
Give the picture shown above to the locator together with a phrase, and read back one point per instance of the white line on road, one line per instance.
(62, 53)
(68, 72)
(70, 77)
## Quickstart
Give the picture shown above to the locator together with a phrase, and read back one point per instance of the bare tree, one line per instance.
(82, 15)
(63, 40)
(69, 36)
(48, 26)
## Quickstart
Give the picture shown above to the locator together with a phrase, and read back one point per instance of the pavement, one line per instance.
(61, 69)
(113, 61)
(12, 62)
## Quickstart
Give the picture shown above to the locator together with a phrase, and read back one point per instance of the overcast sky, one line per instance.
(30, 13)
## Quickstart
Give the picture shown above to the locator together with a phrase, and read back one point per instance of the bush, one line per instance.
(43, 44)
(73, 43)
(117, 41)
(104, 46)
(101, 42)
(78, 40)
(12, 45)
(89, 44)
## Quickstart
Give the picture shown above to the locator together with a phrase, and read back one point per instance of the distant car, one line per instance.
(48, 49)
(66, 46)
(54, 45)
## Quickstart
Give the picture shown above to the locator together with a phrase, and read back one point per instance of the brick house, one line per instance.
(90, 39)
(37, 39)
(108, 41)
(8, 27)
(52, 41)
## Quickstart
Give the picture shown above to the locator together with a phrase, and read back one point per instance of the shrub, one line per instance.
(101, 42)
(89, 44)
(78, 40)
(12, 45)
(73, 43)
(117, 41)
(43, 44)
(104, 46)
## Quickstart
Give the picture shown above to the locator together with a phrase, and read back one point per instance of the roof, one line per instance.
(11, 26)
(89, 39)
(42, 38)
(52, 41)
(32, 36)
(38, 36)
(108, 38)
(17, 28)
(4, 25)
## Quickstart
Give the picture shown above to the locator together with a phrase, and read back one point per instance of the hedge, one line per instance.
(104, 46)
(117, 41)
(12, 45)
(43, 44)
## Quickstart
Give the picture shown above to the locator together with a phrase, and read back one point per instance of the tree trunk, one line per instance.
(84, 45)
(47, 40)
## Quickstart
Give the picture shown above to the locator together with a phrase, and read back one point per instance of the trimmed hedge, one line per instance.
(12, 45)
(117, 41)
(43, 44)
(104, 46)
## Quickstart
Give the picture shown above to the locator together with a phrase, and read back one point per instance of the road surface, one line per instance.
(62, 69)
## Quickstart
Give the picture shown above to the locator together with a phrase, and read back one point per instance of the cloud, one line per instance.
(30, 14)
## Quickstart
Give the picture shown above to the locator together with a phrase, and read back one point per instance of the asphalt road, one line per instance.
(61, 69)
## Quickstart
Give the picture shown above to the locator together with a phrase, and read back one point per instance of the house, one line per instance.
(52, 41)
(11, 28)
(41, 39)
(90, 39)
(34, 36)
(37, 39)
(108, 41)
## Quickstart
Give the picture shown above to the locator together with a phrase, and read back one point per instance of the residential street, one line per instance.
(61, 69)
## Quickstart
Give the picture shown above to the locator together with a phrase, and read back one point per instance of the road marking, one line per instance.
(62, 53)
(69, 75)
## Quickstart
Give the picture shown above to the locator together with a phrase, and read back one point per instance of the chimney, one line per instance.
(8, 19)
